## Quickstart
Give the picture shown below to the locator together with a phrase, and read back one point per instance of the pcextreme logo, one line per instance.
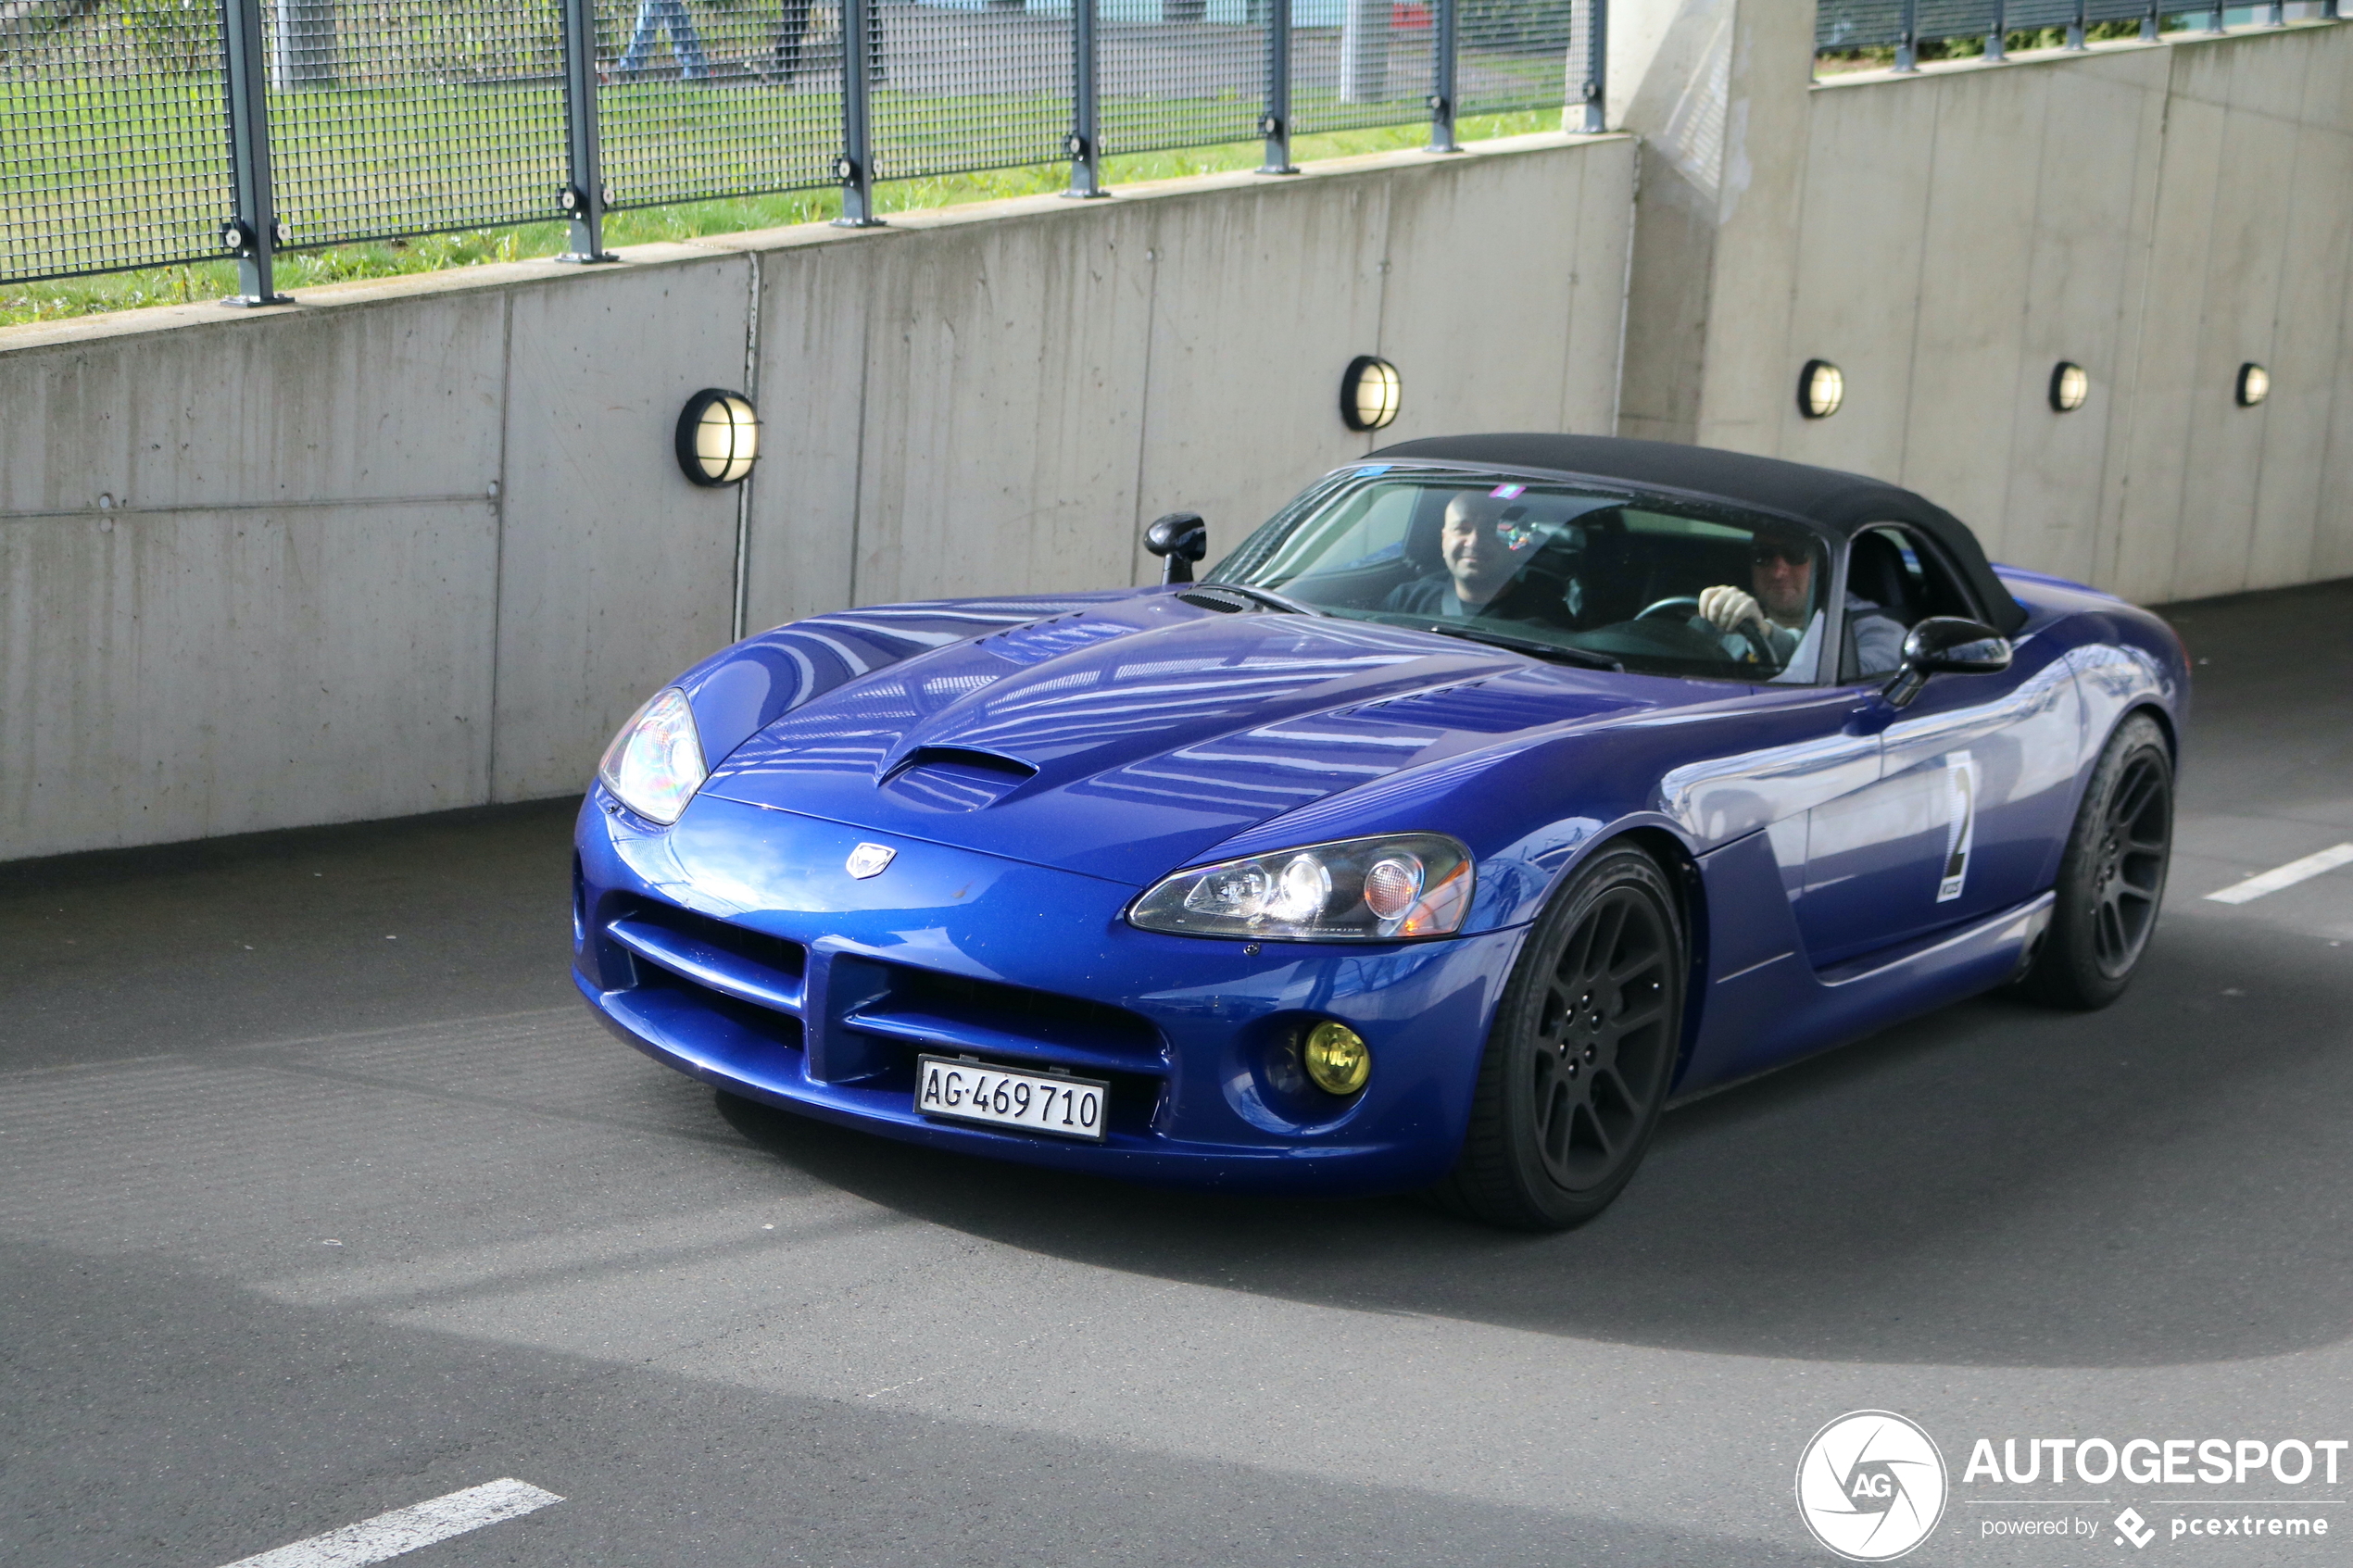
(1870, 1486)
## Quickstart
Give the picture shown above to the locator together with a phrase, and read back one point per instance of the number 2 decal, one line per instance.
(1961, 831)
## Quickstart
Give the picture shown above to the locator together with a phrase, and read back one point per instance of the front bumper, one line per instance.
(737, 948)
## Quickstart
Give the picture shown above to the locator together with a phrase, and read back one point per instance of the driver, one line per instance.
(1772, 620)
(1481, 548)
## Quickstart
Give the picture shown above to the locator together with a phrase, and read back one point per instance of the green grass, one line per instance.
(59, 298)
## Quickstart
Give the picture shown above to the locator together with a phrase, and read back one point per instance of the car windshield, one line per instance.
(1580, 574)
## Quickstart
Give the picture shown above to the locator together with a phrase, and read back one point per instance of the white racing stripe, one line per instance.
(2285, 876)
(405, 1529)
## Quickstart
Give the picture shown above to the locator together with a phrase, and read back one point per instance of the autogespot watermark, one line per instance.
(1872, 1485)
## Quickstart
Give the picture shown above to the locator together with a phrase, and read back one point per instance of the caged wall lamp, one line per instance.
(1370, 393)
(718, 437)
(1821, 387)
(2070, 386)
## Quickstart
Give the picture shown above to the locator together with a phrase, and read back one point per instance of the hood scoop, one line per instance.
(948, 778)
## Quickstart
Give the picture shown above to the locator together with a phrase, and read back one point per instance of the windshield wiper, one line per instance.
(1541, 649)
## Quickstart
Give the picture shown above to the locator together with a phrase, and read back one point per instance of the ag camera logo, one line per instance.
(1871, 1485)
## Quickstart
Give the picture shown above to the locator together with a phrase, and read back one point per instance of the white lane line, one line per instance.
(405, 1529)
(2285, 876)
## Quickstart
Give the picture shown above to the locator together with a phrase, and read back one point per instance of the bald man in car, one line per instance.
(1480, 560)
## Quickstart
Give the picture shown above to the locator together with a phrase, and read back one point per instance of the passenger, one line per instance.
(1777, 624)
(1480, 551)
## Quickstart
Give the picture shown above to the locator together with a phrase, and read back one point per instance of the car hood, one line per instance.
(1127, 738)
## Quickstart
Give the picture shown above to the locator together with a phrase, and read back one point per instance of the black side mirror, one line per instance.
(1179, 539)
(1947, 644)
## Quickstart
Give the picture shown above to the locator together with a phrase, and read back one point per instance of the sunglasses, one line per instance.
(1786, 555)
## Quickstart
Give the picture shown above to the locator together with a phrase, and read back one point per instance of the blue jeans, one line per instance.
(653, 16)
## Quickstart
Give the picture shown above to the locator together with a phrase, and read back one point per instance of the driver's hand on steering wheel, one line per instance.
(1728, 609)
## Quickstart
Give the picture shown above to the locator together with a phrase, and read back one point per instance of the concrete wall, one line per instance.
(420, 543)
(2159, 214)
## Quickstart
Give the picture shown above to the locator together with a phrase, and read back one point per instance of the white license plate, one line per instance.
(1038, 1102)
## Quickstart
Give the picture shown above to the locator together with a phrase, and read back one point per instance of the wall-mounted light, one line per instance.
(2070, 386)
(2255, 384)
(718, 437)
(1370, 394)
(1821, 387)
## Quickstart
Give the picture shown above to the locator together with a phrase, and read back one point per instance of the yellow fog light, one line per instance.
(1337, 1059)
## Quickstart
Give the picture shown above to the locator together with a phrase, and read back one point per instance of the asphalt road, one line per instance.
(320, 1197)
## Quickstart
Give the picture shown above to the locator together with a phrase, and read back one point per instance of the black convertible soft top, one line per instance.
(1838, 503)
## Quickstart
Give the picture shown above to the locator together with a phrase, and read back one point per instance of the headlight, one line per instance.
(1357, 890)
(654, 766)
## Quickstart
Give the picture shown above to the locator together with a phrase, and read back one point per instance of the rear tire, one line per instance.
(2112, 877)
(1580, 1055)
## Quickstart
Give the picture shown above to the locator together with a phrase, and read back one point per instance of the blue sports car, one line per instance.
(1500, 790)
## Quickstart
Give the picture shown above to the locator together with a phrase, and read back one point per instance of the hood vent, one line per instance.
(1220, 600)
(1481, 707)
(948, 778)
(1043, 640)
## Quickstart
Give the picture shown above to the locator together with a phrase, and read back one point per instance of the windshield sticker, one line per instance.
(1508, 492)
(1369, 472)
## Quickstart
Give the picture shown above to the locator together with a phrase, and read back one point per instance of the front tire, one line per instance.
(1580, 1055)
(2112, 877)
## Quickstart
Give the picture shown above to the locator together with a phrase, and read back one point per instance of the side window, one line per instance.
(1894, 579)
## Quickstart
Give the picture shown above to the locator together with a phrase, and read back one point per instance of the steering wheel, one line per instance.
(1686, 603)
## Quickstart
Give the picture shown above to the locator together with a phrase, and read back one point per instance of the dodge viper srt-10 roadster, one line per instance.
(1499, 792)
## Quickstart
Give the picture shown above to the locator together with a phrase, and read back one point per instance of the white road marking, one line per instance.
(405, 1529)
(2285, 876)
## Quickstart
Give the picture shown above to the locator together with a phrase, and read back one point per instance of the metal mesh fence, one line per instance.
(1357, 63)
(711, 99)
(968, 84)
(1854, 24)
(408, 116)
(1180, 73)
(114, 144)
(1512, 55)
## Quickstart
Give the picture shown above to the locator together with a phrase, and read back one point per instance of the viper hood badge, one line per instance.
(871, 859)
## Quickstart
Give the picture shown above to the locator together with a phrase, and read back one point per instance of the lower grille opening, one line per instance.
(1042, 1016)
(774, 954)
(750, 1026)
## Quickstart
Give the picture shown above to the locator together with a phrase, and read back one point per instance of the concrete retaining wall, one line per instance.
(2159, 214)
(420, 543)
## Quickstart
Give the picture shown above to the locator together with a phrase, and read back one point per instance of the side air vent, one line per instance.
(948, 778)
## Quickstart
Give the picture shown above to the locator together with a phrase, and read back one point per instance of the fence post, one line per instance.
(1441, 97)
(856, 168)
(584, 199)
(1596, 67)
(1907, 42)
(2278, 13)
(2148, 24)
(251, 232)
(1084, 142)
(1274, 124)
(2078, 26)
(1997, 39)
(2214, 23)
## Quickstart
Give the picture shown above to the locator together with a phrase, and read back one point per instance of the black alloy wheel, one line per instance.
(1582, 1053)
(2113, 878)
